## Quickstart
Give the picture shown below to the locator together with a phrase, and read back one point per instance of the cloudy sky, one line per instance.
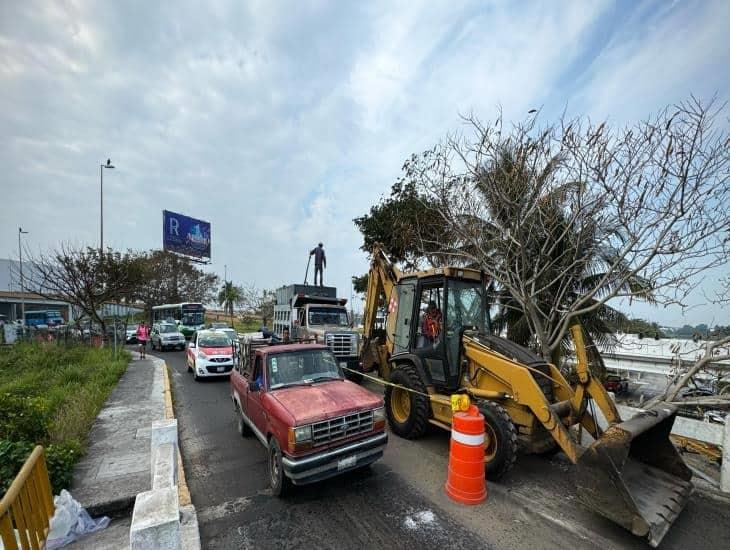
(280, 122)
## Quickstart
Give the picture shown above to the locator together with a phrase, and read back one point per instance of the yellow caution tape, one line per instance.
(385, 382)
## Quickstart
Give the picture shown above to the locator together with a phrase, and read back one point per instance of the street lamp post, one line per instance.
(22, 285)
(108, 165)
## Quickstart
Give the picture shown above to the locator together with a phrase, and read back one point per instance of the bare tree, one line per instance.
(568, 217)
(259, 302)
(86, 278)
(714, 352)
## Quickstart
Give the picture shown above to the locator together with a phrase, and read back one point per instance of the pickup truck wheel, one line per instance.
(277, 478)
(500, 450)
(407, 412)
(243, 428)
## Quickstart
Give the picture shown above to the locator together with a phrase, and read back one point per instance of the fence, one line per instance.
(27, 507)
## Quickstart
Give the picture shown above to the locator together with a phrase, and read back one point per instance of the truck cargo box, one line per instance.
(286, 293)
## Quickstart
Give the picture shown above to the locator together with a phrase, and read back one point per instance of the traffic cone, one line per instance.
(466, 482)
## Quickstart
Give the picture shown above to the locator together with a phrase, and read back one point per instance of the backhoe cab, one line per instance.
(437, 343)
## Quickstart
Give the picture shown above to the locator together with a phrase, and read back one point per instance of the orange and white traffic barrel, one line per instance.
(466, 482)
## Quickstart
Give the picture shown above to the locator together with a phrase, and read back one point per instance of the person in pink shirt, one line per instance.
(143, 335)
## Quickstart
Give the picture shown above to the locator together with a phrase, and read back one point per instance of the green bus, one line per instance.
(188, 316)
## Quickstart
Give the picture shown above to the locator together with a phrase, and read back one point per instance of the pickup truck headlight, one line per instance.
(302, 433)
(379, 418)
(300, 438)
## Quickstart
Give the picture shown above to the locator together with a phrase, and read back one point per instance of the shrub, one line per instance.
(50, 395)
(23, 418)
(60, 460)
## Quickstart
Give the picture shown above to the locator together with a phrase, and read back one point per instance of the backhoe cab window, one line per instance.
(430, 318)
(465, 308)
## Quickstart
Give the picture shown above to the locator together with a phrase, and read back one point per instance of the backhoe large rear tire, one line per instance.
(500, 451)
(407, 412)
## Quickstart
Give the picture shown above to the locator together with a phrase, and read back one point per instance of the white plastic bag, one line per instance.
(70, 521)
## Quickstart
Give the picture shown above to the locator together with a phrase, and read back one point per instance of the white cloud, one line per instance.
(281, 123)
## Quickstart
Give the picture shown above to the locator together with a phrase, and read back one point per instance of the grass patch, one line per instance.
(50, 395)
(249, 325)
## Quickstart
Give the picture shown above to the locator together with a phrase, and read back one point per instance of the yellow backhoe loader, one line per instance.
(436, 342)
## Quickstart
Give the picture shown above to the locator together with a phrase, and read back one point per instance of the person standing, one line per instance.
(143, 334)
(320, 262)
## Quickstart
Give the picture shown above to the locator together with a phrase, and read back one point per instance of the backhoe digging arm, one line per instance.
(382, 279)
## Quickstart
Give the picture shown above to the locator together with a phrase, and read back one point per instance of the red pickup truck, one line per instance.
(314, 423)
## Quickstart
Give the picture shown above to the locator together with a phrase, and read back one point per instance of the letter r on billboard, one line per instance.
(174, 226)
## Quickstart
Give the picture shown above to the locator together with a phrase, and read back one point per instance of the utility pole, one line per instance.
(22, 285)
(108, 165)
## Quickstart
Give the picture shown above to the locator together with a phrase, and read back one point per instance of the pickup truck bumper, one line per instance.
(332, 462)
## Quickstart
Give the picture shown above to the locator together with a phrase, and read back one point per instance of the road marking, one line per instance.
(213, 513)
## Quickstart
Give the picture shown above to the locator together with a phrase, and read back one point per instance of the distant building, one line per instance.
(11, 298)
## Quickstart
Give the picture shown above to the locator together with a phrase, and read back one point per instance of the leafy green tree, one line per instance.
(170, 279)
(229, 296)
(397, 221)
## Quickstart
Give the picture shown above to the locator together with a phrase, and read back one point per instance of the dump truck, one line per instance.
(438, 343)
(315, 313)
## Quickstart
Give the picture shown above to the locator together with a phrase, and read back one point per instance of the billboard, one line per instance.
(185, 235)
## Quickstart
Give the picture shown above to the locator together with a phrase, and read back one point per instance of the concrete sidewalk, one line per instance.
(116, 465)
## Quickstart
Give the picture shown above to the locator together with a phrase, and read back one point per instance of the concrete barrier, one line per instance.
(156, 520)
(163, 431)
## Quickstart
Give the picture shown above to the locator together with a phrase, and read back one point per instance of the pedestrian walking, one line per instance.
(320, 262)
(143, 334)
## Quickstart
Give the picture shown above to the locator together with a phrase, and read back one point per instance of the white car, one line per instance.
(167, 336)
(209, 354)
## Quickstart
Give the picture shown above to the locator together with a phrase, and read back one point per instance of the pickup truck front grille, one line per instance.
(342, 427)
(341, 345)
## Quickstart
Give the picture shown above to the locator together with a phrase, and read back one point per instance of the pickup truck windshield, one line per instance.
(301, 367)
(168, 328)
(328, 316)
(215, 341)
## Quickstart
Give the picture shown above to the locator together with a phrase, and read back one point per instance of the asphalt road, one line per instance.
(399, 503)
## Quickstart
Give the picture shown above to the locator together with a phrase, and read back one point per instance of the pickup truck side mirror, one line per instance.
(253, 386)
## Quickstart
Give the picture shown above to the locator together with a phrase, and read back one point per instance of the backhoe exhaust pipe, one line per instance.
(634, 476)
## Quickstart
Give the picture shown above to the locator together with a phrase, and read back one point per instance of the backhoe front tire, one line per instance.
(407, 412)
(501, 447)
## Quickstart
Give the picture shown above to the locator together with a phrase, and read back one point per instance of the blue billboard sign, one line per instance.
(185, 235)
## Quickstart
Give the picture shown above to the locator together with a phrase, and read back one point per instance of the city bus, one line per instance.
(188, 316)
(49, 318)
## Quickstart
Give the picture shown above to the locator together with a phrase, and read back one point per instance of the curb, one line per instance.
(183, 492)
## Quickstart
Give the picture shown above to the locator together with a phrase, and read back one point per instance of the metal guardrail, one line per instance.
(27, 507)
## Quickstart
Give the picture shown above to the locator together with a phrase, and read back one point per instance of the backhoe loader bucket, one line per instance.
(634, 476)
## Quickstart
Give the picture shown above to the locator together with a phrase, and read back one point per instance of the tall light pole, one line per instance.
(22, 285)
(101, 201)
